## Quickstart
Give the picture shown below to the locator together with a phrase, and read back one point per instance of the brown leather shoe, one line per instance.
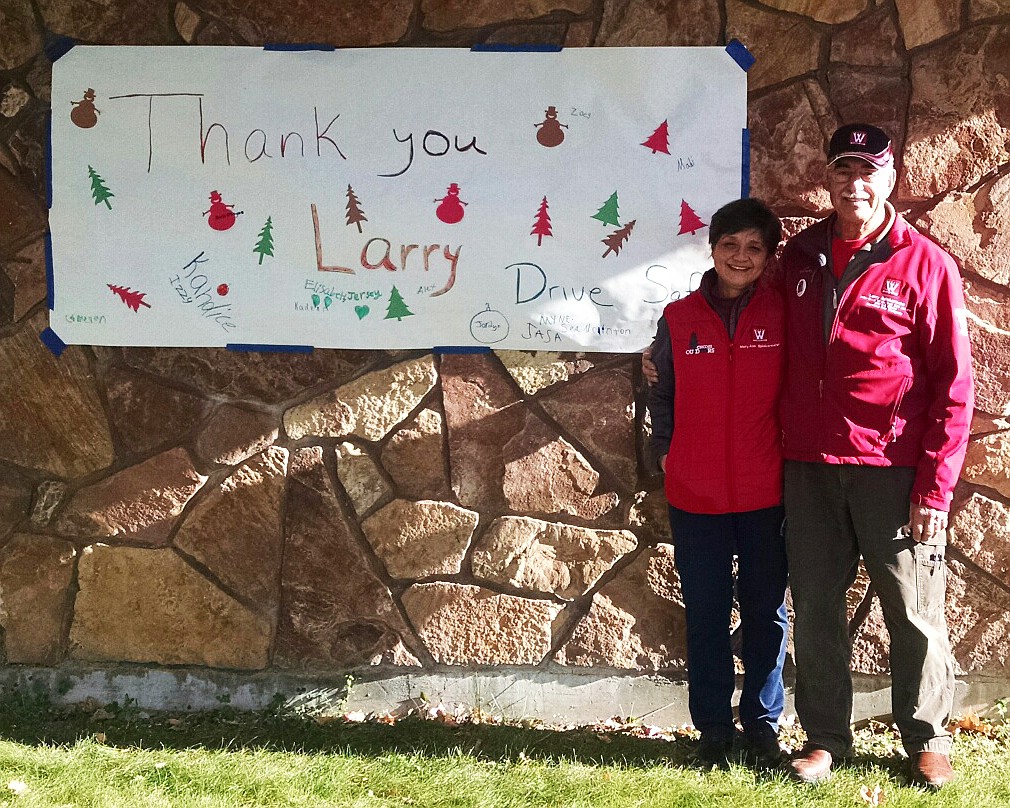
(932, 769)
(811, 765)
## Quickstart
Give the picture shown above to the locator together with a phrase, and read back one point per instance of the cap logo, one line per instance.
(858, 138)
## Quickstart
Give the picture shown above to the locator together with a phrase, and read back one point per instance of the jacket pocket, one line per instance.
(866, 407)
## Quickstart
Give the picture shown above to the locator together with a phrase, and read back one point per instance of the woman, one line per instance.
(719, 353)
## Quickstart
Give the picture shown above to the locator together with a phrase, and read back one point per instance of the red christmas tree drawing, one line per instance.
(132, 299)
(659, 140)
(689, 221)
(354, 213)
(542, 223)
(616, 239)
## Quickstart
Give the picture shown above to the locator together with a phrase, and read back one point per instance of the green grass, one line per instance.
(121, 756)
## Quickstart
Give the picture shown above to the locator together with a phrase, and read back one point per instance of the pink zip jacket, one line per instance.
(885, 379)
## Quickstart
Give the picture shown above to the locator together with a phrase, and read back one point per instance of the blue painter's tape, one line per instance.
(53, 342)
(57, 46)
(740, 54)
(50, 277)
(745, 164)
(306, 46)
(506, 48)
(460, 349)
(257, 348)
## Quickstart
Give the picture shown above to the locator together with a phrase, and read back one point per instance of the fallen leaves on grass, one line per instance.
(874, 796)
(972, 723)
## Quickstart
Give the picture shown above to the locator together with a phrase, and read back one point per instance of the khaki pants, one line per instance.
(834, 515)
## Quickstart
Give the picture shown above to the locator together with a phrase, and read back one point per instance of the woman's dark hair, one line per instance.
(743, 214)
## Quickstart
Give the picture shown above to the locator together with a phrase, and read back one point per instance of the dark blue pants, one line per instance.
(705, 545)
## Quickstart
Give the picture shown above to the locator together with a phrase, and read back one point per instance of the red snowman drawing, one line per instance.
(84, 114)
(221, 214)
(549, 131)
(450, 209)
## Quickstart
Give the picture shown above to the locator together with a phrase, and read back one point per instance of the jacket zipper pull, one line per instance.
(834, 298)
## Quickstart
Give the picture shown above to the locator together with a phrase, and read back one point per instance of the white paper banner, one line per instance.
(386, 198)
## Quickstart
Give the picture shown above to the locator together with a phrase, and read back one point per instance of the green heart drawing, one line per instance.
(361, 311)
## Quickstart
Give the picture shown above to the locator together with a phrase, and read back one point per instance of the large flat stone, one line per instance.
(598, 409)
(545, 474)
(418, 539)
(50, 415)
(980, 528)
(35, 578)
(359, 24)
(147, 414)
(15, 499)
(988, 462)
(978, 616)
(838, 11)
(21, 38)
(643, 23)
(235, 529)
(534, 371)
(110, 22)
(141, 605)
(871, 41)
(413, 456)
(482, 415)
(368, 407)
(546, 557)
(959, 115)
(140, 503)
(265, 377)
(975, 227)
(789, 137)
(360, 477)
(448, 15)
(784, 46)
(335, 611)
(233, 434)
(924, 21)
(991, 361)
(27, 273)
(634, 622)
(468, 625)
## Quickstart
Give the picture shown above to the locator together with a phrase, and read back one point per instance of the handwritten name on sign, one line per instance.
(386, 198)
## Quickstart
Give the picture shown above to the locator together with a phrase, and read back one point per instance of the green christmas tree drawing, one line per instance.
(265, 245)
(608, 213)
(397, 308)
(98, 189)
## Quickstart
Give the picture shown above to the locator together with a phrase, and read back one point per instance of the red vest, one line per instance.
(726, 451)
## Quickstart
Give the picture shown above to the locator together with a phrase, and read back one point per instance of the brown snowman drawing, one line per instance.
(549, 130)
(84, 114)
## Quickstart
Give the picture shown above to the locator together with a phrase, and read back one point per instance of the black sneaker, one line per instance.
(713, 751)
(763, 750)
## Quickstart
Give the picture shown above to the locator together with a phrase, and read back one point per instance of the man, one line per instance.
(876, 409)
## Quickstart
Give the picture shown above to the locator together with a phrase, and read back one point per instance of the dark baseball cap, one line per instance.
(863, 141)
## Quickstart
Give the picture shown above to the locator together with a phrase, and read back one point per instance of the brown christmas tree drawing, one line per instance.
(132, 299)
(689, 221)
(542, 223)
(354, 213)
(616, 239)
(659, 140)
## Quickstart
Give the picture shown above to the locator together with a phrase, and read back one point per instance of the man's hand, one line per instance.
(649, 367)
(926, 524)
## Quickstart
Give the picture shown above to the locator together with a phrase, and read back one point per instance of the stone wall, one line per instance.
(342, 509)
